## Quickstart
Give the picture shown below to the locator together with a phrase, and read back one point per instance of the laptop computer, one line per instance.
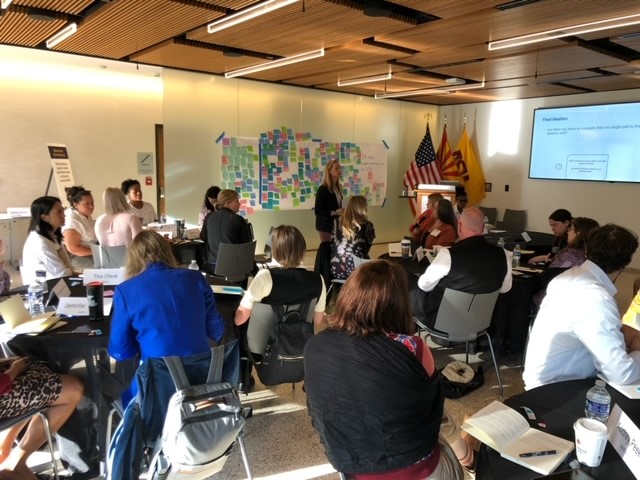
(17, 317)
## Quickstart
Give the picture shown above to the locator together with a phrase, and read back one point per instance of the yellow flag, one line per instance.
(470, 169)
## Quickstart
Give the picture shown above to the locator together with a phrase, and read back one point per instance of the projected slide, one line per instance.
(595, 142)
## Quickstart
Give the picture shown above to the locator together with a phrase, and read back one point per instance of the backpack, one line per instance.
(201, 425)
(282, 359)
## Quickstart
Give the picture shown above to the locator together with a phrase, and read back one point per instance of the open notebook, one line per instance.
(17, 317)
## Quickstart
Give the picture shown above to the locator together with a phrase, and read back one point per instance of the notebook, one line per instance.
(17, 317)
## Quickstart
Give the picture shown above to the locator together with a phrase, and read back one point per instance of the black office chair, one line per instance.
(235, 261)
(491, 213)
(515, 220)
(7, 423)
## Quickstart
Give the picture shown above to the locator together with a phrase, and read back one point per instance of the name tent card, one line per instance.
(73, 306)
(108, 276)
(624, 435)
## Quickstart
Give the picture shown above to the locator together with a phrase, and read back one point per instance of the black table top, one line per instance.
(557, 406)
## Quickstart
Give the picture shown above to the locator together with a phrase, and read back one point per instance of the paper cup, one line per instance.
(591, 440)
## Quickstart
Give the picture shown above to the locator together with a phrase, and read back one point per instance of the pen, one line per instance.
(539, 454)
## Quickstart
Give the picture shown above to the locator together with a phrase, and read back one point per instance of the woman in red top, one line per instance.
(444, 231)
(27, 385)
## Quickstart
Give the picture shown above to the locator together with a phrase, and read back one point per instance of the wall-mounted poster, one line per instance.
(282, 170)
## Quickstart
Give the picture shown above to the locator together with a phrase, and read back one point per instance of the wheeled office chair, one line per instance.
(513, 220)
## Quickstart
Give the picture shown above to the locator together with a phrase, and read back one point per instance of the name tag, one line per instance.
(108, 276)
(435, 232)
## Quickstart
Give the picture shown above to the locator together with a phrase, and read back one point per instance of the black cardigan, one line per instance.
(326, 202)
(371, 401)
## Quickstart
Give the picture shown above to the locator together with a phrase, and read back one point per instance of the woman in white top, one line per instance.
(118, 225)
(78, 229)
(43, 248)
(143, 210)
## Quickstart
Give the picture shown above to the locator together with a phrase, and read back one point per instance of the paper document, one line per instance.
(228, 290)
(629, 391)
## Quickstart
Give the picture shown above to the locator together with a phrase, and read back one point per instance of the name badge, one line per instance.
(435, 232)
(108, 276)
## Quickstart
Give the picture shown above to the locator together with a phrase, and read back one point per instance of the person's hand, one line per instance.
(340, 211)
(539, 258)
(17, 367)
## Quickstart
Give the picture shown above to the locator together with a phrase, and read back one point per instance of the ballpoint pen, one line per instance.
(539, 454)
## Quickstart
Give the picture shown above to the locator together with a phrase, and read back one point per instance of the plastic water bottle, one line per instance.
(501, 242)
(36, 299)
(194, 265)
(517, 253)
(598, 402)
(41, 278)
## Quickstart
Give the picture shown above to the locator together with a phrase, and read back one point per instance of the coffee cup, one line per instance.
(591, 440)
(406, 248)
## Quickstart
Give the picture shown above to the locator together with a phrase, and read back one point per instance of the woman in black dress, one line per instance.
(328, 205)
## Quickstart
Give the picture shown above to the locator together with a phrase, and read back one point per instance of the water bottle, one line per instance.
(501, 242)
(517, 253)
(41, 278)
(36, 299)
(598, 402)
(486, 223)
(194, 265)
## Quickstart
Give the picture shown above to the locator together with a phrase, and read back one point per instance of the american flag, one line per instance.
(423, 168)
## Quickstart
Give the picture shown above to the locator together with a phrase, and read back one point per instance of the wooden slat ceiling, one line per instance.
(422, 42)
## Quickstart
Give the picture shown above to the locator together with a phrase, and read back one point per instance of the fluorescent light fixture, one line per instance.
(301, 57)
(565, 32)
(247, 14)
(62, 35)
(5, 4)
(358, 81)
(430, 91)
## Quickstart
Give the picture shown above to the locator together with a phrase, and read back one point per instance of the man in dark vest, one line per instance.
(471, 265)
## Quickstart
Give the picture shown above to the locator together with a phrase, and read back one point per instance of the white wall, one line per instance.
(501, 133)
(104, 112)
(198, 108)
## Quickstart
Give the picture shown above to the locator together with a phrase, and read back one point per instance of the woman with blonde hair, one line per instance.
(373, 390)
(224, 226)
(118, 226)
(353, 235)
(177, 321)
(328, 206)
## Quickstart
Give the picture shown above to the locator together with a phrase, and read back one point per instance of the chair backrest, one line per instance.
(263, 322)
(357, 261)
(514, 220)
(109, 257)
(463, 316)
(235, 260)
(491, 214)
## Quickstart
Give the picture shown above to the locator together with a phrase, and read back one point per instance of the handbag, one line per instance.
(458, 379)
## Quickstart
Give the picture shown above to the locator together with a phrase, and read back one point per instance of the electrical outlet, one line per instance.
(506, 188)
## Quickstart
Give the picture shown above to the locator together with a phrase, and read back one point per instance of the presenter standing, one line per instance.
(329, 197)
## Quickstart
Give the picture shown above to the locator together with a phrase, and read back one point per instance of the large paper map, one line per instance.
(282, 170)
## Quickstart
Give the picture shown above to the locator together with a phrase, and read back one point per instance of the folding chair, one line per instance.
(109, 257)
